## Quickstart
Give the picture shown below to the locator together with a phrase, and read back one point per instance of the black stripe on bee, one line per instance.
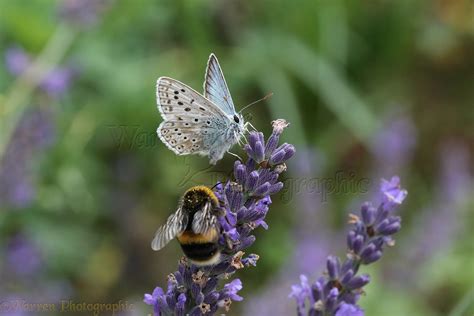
(200, 251)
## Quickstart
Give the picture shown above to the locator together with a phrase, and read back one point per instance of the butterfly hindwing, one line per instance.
(215, 87)
(191, 121)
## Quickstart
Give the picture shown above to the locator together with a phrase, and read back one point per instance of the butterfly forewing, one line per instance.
(215, 87)
(175, 224)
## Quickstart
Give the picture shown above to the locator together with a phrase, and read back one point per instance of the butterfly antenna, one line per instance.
(262, 99)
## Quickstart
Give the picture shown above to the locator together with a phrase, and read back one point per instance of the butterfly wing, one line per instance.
(215, 87)
(204, 219)
(175, 224)
(192, 124)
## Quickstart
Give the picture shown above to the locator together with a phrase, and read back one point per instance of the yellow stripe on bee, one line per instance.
(188, 237)
(206, 191)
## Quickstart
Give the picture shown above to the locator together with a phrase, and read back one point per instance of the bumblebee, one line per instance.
(195, 226)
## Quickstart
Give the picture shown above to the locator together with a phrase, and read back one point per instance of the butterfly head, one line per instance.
(238, 124)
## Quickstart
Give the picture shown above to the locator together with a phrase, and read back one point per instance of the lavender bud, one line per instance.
(391, 229)
(249, 150)
(259, 152)
(277, 157)
(333, 266)
(196, 291)
(251, 181)
(212, 297)
(382, 224)
(317, 291)
(242, 214)
(368, 214)
(240, 172)
(368, 251)
(247, 241)
(271, 144)
(347, 265)
(250, 164)
(347, 276)
(262, 190)
(358, 242)
(331, 301)
(349, 309)
(261, 138)
(210, 286)
(170, 301)
(253, 138)
(275, 188)
(351, 235)
(250, 215)
(236, 202)
(358, 282)
(372, 257)
(381, 213)
(179, 310)
(289, 152)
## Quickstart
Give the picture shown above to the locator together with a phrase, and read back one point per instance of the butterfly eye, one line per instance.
(236, 119)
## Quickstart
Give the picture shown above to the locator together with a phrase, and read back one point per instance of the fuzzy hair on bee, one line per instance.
(195, 226)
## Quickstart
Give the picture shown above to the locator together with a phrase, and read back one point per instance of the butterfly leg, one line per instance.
(235, 155)
(249, 124)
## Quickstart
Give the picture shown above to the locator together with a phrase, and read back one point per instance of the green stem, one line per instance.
(20, 92)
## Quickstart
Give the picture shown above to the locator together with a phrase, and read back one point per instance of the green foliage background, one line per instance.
(336, 69)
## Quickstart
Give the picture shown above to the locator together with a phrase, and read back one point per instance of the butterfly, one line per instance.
(208, 124)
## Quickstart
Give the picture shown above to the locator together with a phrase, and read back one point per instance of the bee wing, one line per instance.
(175, 224)
(204, 219)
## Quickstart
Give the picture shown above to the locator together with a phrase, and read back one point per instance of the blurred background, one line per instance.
(371, 89)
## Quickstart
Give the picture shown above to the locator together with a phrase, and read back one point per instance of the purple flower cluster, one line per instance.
(82, 12)
(55, 83)
(34, 133)
(337, 292)
(194, 290)
(23, 256)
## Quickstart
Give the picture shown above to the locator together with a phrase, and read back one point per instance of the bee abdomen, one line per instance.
(200, 252)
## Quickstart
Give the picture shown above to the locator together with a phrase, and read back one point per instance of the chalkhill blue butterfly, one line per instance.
(206, 125)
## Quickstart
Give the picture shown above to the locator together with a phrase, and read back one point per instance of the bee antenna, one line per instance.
(215, 185)
(262, 99)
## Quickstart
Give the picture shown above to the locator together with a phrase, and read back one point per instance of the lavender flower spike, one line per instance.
(245, 202)
(337, 292)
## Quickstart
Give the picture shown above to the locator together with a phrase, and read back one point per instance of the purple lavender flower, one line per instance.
(16, 60)
(33, 133)
(441, 219)
(349, 310)
(194, 290)
(55, 83)
(337, 292)
(23, 257)
(82, 12)
(58, 80)
(393, 146)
